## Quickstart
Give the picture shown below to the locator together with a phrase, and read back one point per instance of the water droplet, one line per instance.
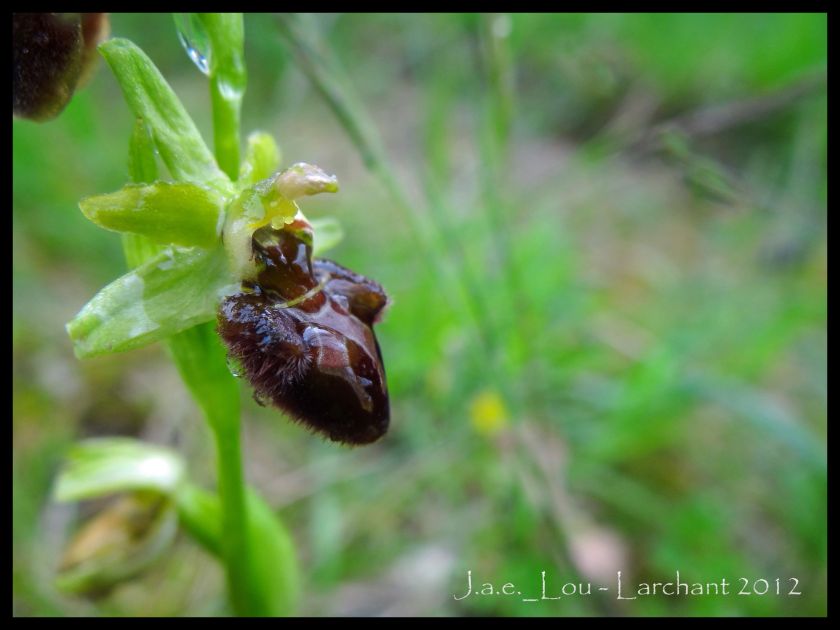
(194, 39)
(234, 367)
(262, 401)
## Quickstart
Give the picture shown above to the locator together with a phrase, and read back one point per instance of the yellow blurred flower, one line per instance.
(488, 414)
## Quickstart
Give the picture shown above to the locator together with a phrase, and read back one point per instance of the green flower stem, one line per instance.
(201, 362)
(166, 297)
(231, 488)
(227, 77)
(225, 136)
(225, 32)
(227, 86)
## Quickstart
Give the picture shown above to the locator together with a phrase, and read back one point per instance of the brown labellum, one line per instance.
(303, 335)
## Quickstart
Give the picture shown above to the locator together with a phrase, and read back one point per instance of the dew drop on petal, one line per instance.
(234, 366)
(262, 401)
(194, 39)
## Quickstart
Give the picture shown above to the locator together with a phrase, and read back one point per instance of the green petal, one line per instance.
(148, 94)
(173, 291)
(262, 159)
(179, 213)
(327, 234)
(103, 466)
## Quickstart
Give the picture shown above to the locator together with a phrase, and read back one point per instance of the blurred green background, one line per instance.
(619, 364)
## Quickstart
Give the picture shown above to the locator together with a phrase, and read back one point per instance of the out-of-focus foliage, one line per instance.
(658, 396)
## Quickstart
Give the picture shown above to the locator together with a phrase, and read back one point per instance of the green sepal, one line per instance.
(262, 159)
(175, 290)
(165, 212)
(142, 165)
(142, 168)
(174, 133)
(327, 233)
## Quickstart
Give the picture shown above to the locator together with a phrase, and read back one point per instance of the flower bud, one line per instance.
(52, 54)
(118, 543)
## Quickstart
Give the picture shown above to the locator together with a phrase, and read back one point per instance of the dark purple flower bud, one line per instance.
(95, 29)
(52, 53)
(302, 333)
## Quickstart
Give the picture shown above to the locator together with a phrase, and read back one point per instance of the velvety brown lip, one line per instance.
(303, 335)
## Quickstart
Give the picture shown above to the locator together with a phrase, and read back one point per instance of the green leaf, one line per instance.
(275, 573)
(273, 559)
(175, 290)
(327, 234)
(199, 512)
(103, 466)
(262, 159)
(149, 96)
(179, 213)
